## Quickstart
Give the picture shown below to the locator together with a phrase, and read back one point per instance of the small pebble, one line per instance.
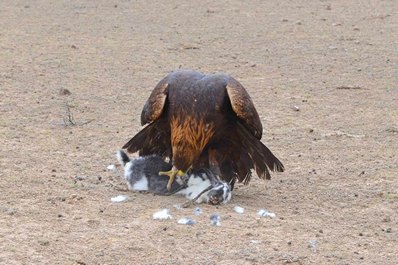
(186, 221)
(64, 92)
(162, 215)
(215, 219)
(197, 211)
(265, 213)
(255, 241)
(239, 209)
(120, 198)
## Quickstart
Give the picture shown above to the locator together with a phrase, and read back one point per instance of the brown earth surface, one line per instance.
(322, 74)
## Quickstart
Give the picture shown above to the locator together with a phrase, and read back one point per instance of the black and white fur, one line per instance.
(142, 174)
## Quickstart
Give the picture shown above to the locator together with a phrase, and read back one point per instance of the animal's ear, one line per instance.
(155, 104)
(243, 107)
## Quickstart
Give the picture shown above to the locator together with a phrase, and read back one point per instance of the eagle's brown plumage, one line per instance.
(202, 120)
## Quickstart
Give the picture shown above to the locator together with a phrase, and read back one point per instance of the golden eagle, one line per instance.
(199, 121)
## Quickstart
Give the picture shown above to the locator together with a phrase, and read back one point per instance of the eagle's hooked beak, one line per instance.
(172, 175)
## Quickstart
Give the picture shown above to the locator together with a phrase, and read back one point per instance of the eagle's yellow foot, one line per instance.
(172, 175)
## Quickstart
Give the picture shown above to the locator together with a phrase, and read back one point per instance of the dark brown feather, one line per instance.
(154, 106)
(243, 107)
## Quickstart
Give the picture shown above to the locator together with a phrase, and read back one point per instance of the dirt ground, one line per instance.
(322, 74)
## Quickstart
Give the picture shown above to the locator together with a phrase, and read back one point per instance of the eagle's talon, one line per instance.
(172, 175)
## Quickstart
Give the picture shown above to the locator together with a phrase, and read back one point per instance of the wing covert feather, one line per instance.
(244, 108)
(154, 106)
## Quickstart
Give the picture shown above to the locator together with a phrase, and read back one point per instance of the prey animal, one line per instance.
(200, 186)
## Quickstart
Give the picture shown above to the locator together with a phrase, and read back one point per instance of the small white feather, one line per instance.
(266, 213)
(111, 168)
(186, 221)
(120, 198)
(239, 209)
(162, 215)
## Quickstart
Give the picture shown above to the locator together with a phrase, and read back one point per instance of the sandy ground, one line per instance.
(322, 74)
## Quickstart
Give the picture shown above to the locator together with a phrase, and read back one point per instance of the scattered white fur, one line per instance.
(111, 168)
(239, 209)
(186, 221)
(197, 211)
(312, 244)
(215, 219)
(266, 213)
(162, 215)
(119, 198)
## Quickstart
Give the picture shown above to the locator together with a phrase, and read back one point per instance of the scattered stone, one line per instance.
(75, 197)
(296, 108)
(253, 241)
(80, 178)
(387, 219)
(239, 209)
(389, 230)
(349, 87)
(120, 198)
(215, 219)
(392, 130)
(64, 92)
(186, 221)
(266, 213)
(162, 215)
(332, 48)
(43, 242)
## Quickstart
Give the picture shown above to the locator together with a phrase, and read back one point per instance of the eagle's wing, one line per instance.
(155, 104)
(243, 107)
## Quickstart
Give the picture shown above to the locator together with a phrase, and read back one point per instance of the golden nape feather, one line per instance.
(200, 120)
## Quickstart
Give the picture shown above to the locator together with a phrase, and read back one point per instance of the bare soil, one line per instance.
(322, 74)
